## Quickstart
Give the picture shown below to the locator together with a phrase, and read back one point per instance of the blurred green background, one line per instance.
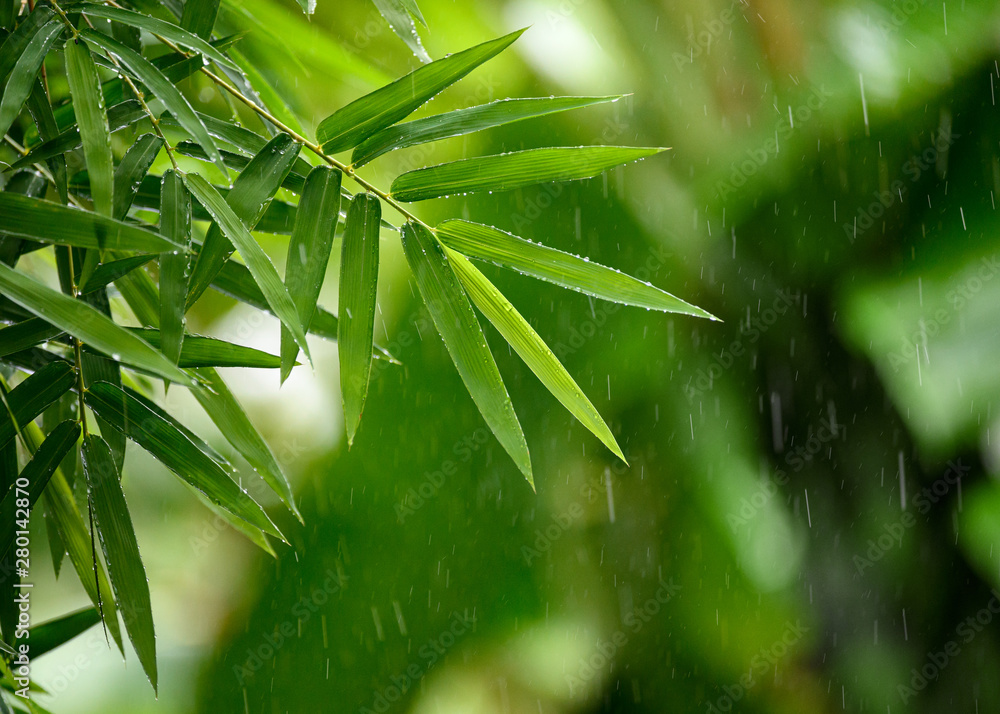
(810, 518)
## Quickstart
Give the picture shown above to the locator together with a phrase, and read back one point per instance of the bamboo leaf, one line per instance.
(91, 117)
(190, 435)
(25, 334)
(163, 88)
(16, 43)
(37, 472)
(398, 14)
(98, 368)
(31, 397)
(350, 125)
(175, 221)
(199, 17)
(106, 273)
(257, 262)
(174, 450)
(465, 121)
(159, 27)
(50, 222)
(257, 82)
(131, 170)
(503, 172)
(358, 288)
(456, 322)
(554, 266)
(531, 348)
(198, 351)
(226, 412)
(47, 636)
(120, 116)
(309, 252)
(121, 550)
(24, 71)
(247, 201)
(41, 111)
(86, 323)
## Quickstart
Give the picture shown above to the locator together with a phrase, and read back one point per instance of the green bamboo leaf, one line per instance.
(531, 348)
(162, 88)
(142, 296)
(309, 252)
(255, 258)
(226, 413)
(25, 334)
(254, 535)
(247, 201)
(87, 324)
(175, 222)
(106, 273)
(238, 163)
(98, 368)
(398, 14)
(188, 434)
(174, 450)
(91, 117)
(17, 42)
(120, 116)
(358, 288)
(503, 172)
(350, 125)
(260, 85)
(37, 472)
(554, 266)
(53, 223)
(155, 26)
(131, 170)
(199, 351)
(8, 12)
(465, 121)
(199, 17)
(60, 505)
(121, 550)
(49, 635)
(31, 397)
(22, 76)
(456, 322)
(45, 121)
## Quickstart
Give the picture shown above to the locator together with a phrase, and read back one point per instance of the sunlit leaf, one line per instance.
(358, 289)
(309, 252)
(531, 348)
(569, 271)
(350, 125)
(456, 322)
(503, 172)
(121, 551)
(175, 451)
(465, 121)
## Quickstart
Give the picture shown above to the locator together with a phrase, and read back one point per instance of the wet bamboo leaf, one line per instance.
(49, 635)
(531, 348)
(130, 172)
(52, 223)
(456, 322)
(45, 121)
(503, 172)
(226, 413)
(199, 17)
(121, 550)
(159, 27)
(91, 117)
(309, 252)
(200, 351)
(25, 334)
(163, 88)
(175, 451)
(24, 71)
(17, 42)
(86, 323)
(569, 271)
(37, 472)
(175, 222)
(358, 288)
(106, 273)
(247, 201)
(400, 15)
(256, 259)
(350, 125)
(30, 398)
(465, 121)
